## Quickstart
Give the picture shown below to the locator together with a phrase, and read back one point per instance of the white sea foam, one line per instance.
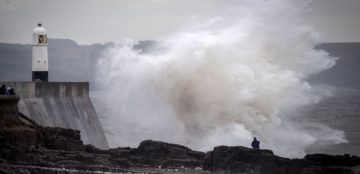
(220, 83)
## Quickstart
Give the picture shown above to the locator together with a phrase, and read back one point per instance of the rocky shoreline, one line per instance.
(26, 147)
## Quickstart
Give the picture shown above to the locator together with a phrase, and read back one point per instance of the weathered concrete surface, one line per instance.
(61, 104)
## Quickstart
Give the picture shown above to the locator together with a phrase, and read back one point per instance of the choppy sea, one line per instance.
(340, 111)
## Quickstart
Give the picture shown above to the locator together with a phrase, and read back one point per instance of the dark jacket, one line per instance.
(255, 144)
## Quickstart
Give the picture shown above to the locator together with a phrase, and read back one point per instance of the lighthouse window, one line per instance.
(42, 39)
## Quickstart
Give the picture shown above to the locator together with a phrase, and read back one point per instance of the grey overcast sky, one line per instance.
(92, 21)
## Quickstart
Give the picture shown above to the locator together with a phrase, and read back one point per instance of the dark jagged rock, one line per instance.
(245, 160)
(156, 153)
(61, 139)
(23, 169)
(25, 143)
(26, 147)
(248, 161)
(120, 152)
(8, 104)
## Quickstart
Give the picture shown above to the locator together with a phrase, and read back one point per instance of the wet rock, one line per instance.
(327, 170)
(24, 143)
(61, 139)
(121, 152)
(20, 137)
(156, 153)
(8, 104)
(26, 147)
(92, 149)
(247, 161)
(120, 156)
(22, 169)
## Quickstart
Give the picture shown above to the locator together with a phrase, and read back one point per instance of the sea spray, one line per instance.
(221, 83)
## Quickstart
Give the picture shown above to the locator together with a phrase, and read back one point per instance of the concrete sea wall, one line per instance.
(61, 104)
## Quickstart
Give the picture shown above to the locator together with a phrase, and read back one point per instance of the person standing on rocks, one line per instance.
(255, 144)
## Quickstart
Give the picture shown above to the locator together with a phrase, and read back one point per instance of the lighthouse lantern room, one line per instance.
(40, 62)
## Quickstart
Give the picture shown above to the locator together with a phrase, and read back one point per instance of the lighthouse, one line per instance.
(56, 104)
(40, 63)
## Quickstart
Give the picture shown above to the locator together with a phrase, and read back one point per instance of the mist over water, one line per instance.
(220, 82)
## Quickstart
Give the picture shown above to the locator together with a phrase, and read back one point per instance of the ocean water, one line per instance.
(340, 111)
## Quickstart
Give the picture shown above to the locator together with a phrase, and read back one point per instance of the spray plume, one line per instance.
(220, 83)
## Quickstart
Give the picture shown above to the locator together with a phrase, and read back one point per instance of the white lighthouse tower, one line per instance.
(40, 63)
